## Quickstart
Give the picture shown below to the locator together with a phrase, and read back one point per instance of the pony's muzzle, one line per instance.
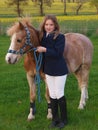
(10, 59)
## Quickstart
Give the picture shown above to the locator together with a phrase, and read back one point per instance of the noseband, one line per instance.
(27, 43)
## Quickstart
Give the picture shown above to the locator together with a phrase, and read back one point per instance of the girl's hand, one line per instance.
(41, 49)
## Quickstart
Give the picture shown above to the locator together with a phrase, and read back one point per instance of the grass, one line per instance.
(14, 97)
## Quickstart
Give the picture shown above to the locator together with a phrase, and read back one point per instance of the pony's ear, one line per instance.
(21, 26)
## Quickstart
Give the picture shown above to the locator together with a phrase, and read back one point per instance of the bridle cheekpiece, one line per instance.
(27, 43)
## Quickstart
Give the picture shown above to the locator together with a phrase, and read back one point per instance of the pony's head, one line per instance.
(21, 40)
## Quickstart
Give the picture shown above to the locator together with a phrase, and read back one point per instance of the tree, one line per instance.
(94, 3)
(64, 1)
(17, 3)
(65, 7)
(79, 5)
(41, 4)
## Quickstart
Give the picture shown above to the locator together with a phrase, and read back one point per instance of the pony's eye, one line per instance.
(18, 40)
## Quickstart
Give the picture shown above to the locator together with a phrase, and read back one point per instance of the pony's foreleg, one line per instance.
(32, 86)
(49, 111)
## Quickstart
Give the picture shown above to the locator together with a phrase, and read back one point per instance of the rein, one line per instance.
(38, 59)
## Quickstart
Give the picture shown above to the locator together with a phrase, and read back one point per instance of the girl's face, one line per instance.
(49, 26)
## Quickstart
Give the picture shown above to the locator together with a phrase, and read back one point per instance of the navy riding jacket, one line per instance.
(54, 63)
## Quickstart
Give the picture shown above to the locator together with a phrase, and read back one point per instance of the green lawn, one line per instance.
(14, 97)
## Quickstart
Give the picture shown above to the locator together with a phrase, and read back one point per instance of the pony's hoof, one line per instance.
(81, 107)
(49, 116)
(30, 117)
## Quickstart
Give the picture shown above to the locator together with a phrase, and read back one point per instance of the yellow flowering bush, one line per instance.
(60, 18)
(82, 17)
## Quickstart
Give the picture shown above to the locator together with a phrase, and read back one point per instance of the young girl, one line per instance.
(54, 67)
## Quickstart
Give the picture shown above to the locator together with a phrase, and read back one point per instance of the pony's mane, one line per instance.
(15, 27)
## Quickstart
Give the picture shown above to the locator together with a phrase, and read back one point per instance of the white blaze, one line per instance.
(10, 57)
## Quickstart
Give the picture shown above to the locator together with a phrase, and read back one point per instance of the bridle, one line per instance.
(27, 43)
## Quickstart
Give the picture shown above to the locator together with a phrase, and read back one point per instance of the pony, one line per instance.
(78, 54)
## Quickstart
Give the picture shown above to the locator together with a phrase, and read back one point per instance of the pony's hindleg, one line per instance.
(49, 110)
(32, 96)
(82, 76)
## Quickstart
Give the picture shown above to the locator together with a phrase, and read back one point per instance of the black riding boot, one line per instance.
(63, 112)
(54, 107)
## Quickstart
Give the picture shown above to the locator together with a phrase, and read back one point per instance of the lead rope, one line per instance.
(38, 60)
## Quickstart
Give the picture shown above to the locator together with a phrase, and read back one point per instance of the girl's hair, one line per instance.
(42, 26)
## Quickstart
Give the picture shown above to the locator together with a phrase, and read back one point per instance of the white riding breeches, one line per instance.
(56, 85)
